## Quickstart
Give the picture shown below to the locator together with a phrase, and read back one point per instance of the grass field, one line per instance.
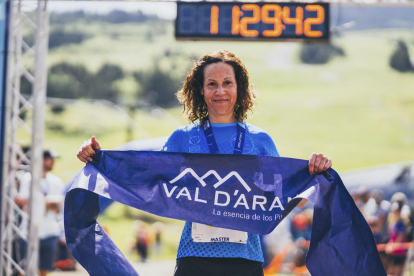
(355, 109)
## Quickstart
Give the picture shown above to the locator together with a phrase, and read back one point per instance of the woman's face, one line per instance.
(220, 92)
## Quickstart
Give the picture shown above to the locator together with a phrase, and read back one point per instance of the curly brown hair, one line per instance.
(194, 106)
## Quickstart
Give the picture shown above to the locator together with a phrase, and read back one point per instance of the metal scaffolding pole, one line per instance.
(39, 102)
(28, 61)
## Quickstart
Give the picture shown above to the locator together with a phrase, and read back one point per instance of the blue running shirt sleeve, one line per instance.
(177, 142)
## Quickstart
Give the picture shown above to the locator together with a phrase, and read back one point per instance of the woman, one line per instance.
(216, 97)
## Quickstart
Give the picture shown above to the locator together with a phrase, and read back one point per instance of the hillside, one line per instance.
(355, 109)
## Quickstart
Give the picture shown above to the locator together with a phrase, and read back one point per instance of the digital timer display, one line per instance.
(252, 21)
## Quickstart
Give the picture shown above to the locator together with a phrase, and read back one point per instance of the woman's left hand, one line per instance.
(318, 163)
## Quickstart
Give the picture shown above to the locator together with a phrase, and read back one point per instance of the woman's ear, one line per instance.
(202, 92)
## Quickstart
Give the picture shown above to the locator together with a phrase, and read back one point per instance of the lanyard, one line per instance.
(211, 141)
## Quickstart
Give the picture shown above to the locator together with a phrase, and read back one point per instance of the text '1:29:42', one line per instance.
(270, 14)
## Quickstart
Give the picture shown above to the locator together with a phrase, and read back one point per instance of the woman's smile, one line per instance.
(221, 101)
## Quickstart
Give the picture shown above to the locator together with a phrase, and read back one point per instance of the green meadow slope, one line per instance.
(355, 109)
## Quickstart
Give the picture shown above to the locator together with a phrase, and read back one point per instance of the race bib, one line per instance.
(204, 233)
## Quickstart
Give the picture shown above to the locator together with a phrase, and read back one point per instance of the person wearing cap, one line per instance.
(47, 215)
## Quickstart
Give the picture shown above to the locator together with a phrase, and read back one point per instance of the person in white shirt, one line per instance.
(48, 202)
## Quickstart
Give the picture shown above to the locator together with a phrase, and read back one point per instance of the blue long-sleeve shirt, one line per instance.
(191, 139)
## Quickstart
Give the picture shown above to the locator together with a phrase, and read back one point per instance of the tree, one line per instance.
(66, 17)
(110, 72)
(63, 86)
(117, 16)
(103, 87)
(158, 87)
(70, 81)
(59, 37)
(400, 59)
(78, 71)
(77, 77)
(311, 53)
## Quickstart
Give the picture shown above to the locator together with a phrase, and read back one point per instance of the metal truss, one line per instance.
(25, 60)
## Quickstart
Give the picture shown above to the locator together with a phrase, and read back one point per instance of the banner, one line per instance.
(241, 192)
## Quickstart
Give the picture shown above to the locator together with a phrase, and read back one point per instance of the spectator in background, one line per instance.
(301, 232)
(158, 228)
(363, 193)
(405, 213)
(142, 242)
(63, 259)
(48, 201)
(379, 208)
(301, 227)
(308, 213)
(278, 239)
(374, 225)
(398, 234)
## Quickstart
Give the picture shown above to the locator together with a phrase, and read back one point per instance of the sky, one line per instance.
(162, 10)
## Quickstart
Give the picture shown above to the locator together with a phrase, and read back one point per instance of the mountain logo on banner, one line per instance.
(211, 172)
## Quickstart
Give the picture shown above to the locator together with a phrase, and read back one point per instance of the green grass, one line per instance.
(356, 109)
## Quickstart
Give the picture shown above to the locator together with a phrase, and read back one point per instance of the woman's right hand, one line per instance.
(87, 149)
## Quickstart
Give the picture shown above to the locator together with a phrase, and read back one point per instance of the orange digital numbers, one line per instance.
(250, 20)
(270, 14)
(235, 25)
(241, 26)
(298, 20)
(214, 19)
(276, 20)
(320, 18)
